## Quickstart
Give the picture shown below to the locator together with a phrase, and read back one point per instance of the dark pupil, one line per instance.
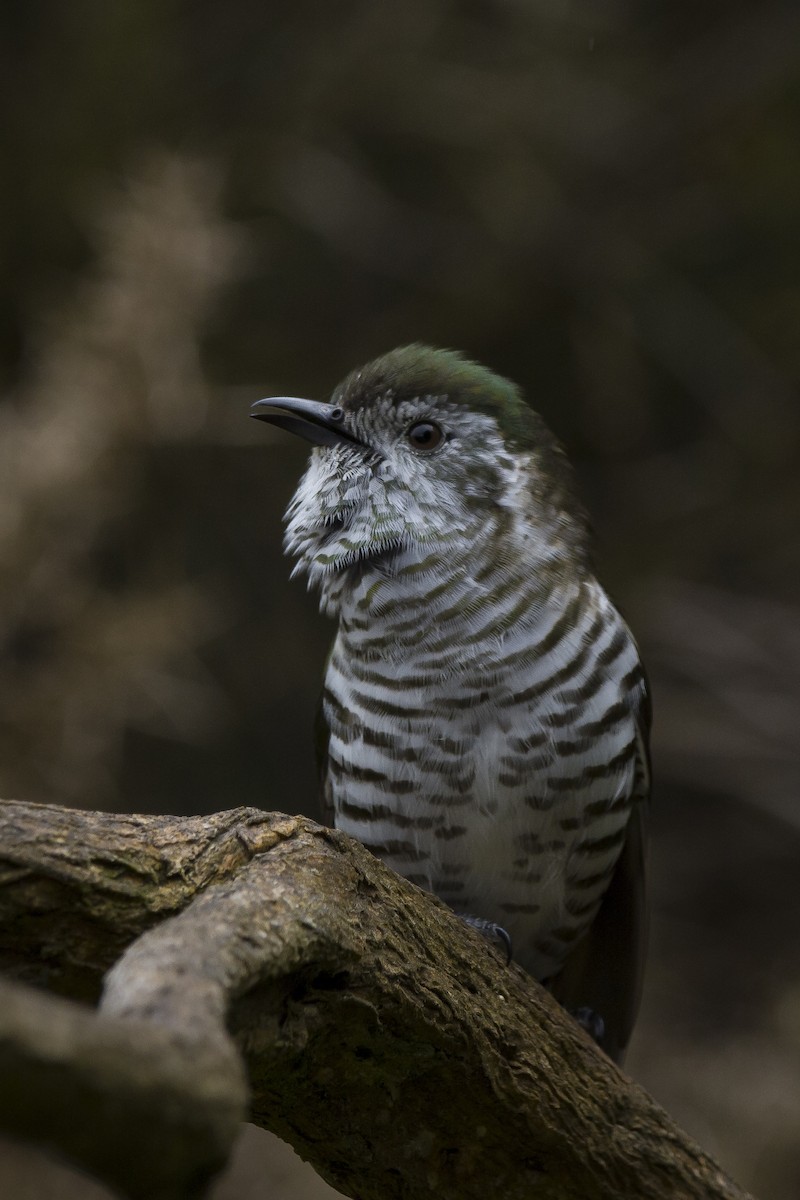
(425, 435)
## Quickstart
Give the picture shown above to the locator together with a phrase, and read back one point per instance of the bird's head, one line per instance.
(421, 451)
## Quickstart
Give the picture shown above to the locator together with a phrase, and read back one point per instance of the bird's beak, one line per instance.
(316, 422)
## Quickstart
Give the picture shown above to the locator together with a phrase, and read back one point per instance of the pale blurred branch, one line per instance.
(117, 381)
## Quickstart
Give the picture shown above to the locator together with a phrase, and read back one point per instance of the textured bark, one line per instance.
(386, 1041)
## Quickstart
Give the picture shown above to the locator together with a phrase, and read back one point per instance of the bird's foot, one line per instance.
(591, 1023)
(491, 930)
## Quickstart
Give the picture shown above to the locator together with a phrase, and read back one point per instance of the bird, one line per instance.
(485, 715)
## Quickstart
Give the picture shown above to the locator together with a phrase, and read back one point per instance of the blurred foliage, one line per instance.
(203, 204)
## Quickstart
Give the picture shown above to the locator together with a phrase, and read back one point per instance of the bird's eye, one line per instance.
(425, 436)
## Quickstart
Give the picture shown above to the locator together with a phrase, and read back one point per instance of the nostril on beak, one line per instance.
(337, 414)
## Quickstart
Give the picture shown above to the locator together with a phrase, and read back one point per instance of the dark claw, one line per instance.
(491, 930)
(591, 1022)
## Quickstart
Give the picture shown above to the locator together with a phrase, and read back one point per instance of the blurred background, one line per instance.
(204, 204)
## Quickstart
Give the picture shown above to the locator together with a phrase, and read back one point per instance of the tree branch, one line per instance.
(385, 1040)
(150, 1112)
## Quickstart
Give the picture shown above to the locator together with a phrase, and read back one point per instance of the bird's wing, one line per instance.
(604, 972)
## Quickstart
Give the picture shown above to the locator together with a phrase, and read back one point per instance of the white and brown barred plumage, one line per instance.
(485, 707)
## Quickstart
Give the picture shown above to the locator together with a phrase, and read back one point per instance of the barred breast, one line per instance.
(491, 757)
